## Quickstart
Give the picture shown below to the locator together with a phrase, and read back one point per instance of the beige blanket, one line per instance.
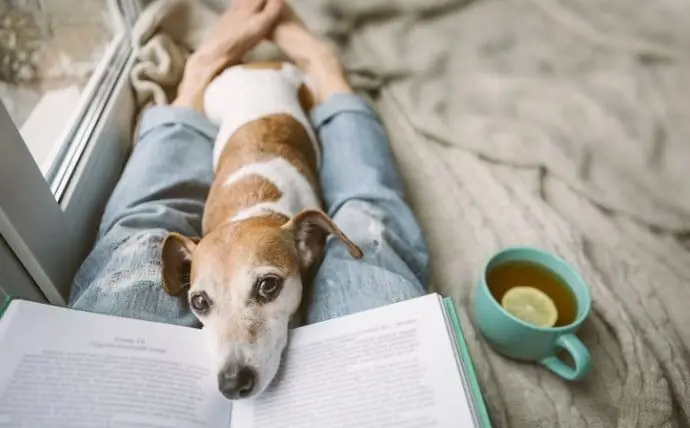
(557, 123)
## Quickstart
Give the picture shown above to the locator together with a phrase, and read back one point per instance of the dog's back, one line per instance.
(266, 154)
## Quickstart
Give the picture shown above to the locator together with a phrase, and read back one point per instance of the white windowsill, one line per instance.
(43, 129)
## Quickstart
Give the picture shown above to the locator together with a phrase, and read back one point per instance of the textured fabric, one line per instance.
(512, 127)
(557, 123)
(162, 38)
(165, 184)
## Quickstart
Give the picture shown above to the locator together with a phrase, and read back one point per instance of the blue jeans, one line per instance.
(164, 186)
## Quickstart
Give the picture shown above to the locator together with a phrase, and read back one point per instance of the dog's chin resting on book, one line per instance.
(247, 292)
(245, 305)
(264, 231)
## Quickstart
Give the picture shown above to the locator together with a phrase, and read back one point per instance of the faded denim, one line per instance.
(165, 184)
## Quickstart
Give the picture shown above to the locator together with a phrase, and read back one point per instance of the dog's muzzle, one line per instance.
(236, 381)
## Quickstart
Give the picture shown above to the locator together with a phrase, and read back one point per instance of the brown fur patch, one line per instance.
(226, 248)
(242, 194)
(256, 233)
(306, 98)
(278, 135)
(176, 252)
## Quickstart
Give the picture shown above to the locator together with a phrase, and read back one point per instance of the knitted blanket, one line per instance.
(562, 124)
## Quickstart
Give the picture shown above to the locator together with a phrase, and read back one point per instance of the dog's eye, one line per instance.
(200, 302)
(268, 287)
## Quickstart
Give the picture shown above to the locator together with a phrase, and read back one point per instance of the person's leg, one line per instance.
(168, 175)
(364, 195)
(344, 286)
(162, 189)
(361, 187)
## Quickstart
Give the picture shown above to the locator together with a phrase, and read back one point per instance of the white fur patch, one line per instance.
(297, 193)
(239, 95)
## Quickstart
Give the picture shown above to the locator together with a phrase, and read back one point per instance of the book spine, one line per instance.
(475, 391)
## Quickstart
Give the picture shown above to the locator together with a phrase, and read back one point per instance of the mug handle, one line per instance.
(577, 351)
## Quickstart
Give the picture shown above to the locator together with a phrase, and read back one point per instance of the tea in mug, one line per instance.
(508, 275)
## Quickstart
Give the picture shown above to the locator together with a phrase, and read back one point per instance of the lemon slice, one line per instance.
(530, 305)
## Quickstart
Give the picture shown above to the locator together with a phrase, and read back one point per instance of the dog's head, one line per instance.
(244, 283)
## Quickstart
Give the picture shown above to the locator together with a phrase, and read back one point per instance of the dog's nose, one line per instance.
(236, 381)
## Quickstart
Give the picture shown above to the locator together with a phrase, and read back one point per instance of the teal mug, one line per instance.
(523, 341)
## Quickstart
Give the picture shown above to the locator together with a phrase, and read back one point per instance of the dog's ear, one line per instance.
(176, 255)
(310, 228)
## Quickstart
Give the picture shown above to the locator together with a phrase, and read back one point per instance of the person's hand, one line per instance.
(311, 54)
(242, 25)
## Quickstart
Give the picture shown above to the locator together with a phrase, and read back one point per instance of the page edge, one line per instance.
(465, 363)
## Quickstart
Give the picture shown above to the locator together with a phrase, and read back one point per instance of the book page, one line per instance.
(66, 368)
(388, 367)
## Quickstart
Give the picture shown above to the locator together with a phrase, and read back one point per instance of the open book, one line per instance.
(404, 365)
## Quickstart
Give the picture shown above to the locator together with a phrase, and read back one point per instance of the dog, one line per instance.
(264, 233)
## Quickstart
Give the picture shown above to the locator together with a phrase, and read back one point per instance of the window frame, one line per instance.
(87, 115)
(49, 222)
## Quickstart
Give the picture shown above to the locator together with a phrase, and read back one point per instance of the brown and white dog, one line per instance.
(263, 231)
